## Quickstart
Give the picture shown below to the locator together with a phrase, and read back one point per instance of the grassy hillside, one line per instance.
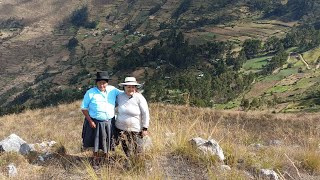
(286, 143)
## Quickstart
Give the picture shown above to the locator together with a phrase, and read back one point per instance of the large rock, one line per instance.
(16, 144)
(208, 146)
(11, 143)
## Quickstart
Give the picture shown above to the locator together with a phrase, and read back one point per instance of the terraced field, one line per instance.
(288, 84)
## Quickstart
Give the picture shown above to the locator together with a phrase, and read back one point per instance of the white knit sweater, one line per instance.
(133, 112)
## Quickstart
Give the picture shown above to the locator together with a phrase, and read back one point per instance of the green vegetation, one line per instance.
(256, 63)
(183, 7)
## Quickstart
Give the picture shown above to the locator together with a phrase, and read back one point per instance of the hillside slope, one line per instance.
(288, 144)
(46, 54)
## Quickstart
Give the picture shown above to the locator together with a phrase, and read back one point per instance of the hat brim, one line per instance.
(102, 79)
(130, 84)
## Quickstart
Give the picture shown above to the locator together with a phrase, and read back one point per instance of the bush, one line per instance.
(73, 42)
(79, 17)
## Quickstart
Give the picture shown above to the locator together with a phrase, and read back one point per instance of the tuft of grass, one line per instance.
(310, 161)
(11, 157)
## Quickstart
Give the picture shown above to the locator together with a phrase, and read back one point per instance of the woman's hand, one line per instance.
(144, 133)
(92, 124)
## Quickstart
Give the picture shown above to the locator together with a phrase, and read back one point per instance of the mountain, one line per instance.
(50, 51)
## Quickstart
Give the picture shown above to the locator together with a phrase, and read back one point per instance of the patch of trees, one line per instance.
(23, 97)
(79, 77)
(217, 61)
(293, 9)
(154, 9)
(273, 44)
(182, 8)
(201, 91)
(129, 27)
(300, 8)
(218, 82)
(313, 92)
(37, 101)
(79, 18)
(73, 42)
(276, 61)
(264, 5)
(252, 47)
(12, 23)
(175, 50)
(305, 36)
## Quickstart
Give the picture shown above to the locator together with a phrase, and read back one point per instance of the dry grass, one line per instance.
(171, 157)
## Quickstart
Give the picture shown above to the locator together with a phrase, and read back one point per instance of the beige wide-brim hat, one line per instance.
(130, 81)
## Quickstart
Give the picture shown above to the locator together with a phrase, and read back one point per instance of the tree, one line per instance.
(73, 42)
(80, 16)
(273, 44)
(251, 47)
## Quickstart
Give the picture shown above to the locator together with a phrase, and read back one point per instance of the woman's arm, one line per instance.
(85, 112)
(145, 115)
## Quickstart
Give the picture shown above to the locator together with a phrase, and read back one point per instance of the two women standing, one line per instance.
(98, 107)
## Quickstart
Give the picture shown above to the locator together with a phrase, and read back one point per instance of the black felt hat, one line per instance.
(102, 75)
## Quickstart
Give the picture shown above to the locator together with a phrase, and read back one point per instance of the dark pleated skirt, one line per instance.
(99, 138)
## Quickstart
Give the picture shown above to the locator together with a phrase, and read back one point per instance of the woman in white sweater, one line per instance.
(133, 116)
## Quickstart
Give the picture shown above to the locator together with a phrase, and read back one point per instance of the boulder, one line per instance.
(11, 143)
(208, 147)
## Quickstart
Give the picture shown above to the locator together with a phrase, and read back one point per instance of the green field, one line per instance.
(255, 64)
(281, 75)
(312, 55)
(278, 89)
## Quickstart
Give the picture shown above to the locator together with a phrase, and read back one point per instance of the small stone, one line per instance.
(12, 170)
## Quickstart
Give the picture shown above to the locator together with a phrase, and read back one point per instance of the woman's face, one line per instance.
(102, 85)
(130, 90)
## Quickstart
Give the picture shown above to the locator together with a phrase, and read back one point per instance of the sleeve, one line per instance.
(118, 91)
(145, 116)
(86, 101)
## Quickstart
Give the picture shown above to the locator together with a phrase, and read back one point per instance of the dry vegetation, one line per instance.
(238, 133)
